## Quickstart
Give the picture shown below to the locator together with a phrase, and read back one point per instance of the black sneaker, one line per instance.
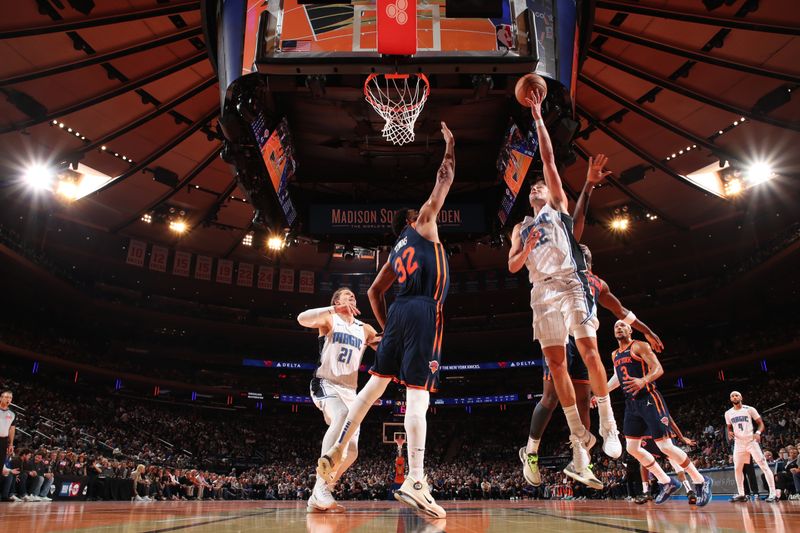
(642, 499)
(692, 497)
(738, 498)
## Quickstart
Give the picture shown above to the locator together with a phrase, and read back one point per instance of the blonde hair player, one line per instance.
(562, 302)
(343, 340)
(741, 420)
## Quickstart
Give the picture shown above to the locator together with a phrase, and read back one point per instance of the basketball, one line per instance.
(526, 84)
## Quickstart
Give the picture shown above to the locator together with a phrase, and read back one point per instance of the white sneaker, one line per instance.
(580, 457)
(612, 447)
(46, 499)
(416, 494)
(138, 498)
(321, 499)
(14, 498)
(530, 467)
(585, 476)
(28, 498)
(328, 463)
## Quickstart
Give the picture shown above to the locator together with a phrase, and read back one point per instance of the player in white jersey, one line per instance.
(741, 421)
(343, 340)
(562, 302)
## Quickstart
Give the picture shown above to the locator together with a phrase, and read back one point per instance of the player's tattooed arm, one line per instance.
(607, 299)
(642, 349)
(594, 175)
(426, 222)
(519, 249)
(558, 199)
(377, 292)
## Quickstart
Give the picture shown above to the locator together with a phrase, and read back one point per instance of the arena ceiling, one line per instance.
(131, 82)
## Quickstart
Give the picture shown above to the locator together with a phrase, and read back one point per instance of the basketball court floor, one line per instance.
(463, 517)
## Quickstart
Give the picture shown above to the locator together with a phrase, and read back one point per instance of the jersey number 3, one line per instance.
(410, 266)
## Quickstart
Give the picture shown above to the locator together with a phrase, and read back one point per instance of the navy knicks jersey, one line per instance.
(421, 266)
(627, 364)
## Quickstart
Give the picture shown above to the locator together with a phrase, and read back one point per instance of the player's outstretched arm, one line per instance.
(643, 350)
(321, 317)
(558, 199)
(426, 222)
(377, 292)
(610, 302)
(519, 250)
(594, 175)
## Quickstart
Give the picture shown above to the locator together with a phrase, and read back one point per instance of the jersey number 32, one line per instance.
(405, 269)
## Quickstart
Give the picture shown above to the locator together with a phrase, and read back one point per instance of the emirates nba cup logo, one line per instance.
(397, 11)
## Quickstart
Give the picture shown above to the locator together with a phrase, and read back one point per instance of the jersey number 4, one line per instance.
(345, 355)
(410, 266)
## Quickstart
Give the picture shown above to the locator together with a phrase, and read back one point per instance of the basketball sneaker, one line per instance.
(704, 489)
(580, 457)
(667, 490)
(321, 499)
(612, 447)
(771, 499)
(530, 467)
(738, 498)
(328, 463)
(642, 499)
(416, 494)
(585, 476)
(692, 497)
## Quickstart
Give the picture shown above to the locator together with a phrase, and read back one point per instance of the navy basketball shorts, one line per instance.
(646, 415)
(576, 368)
(410, 350)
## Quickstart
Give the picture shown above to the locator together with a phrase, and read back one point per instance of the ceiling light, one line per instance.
(60, 124)
(67, 190)
(733, 187)
(178, 226)
(38, 177)
(275, 243)
(759, 173)
(103, 148)
(147, 218)
(248, 240)
(620, 224)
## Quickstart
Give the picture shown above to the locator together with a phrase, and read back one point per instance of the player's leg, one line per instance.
(646, 459)
(529, 455)
(685, 481)
(740, 458)
(335, 412)
(583, 399)
(761, 461)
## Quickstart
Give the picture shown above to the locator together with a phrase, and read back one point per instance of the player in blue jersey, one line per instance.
(411, 344)
(637, 368)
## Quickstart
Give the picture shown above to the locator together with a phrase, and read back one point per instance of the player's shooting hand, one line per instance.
(633, 385)
(448, 135)
(595, 173)
(535, 99)
(593, 402)
(655, 342)
(346, 308)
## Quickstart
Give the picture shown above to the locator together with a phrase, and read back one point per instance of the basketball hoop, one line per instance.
(398, 99)
(399, 439)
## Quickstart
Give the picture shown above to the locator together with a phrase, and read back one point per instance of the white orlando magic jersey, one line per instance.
(556, 253)
(341, 351)
(743, 423)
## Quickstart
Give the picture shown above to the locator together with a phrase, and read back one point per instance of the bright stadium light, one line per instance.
(733, 187)
(38, 177)
(68, 190)
(759, 173)
(178, 226)
(620, 224)
(275, 243)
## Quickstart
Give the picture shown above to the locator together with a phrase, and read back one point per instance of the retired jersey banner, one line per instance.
(158, 258)
(224, 271)
(286, 280)
(265, 275)
(181, 264)
(136, 253)
(306, 282)
(372, 218)
(202, 269)
(245, 276)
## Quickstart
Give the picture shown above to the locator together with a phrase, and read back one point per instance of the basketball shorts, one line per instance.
(329, 396)
(576, 368)
(563, 307)
(410, 349)
(646, 415)
(743, 451)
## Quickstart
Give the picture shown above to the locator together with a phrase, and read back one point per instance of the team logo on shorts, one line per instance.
(434, 366)
(665, 420)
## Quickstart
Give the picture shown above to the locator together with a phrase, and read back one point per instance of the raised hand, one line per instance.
(345, 308)
(595, 173)
(655, 342)
(447, 134)
(534, 100)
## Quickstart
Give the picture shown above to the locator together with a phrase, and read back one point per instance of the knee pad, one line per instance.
(417, 401)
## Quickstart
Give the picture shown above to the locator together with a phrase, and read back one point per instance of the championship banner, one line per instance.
(224, 271)
(202, 269)
(181, 264)
(136, 253)
(265, 275)
(372, 218)
(286, 280)
(245, 276)
(306, 282)
(158, 258)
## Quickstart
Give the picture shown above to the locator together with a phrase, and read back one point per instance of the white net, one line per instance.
(399, 99)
